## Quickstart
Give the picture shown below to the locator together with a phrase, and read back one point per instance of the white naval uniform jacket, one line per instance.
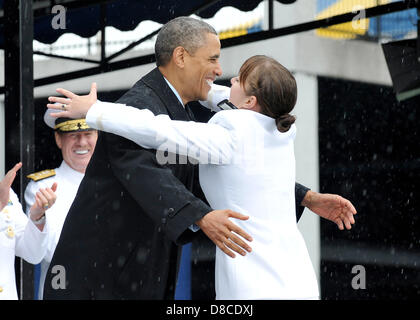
(18, 237)
(68, 181)
(248, 166)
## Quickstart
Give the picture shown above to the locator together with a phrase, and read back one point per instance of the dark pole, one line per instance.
(270, 15)
(418, 32)
(103, 25)
(11, 82)
(378, 25)
(19, 104)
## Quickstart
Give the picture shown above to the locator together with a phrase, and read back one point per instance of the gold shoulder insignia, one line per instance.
(37, 176)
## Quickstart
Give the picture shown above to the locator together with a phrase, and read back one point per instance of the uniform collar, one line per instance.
(69, 172)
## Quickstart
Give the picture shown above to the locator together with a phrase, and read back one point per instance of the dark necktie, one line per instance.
(189, 112)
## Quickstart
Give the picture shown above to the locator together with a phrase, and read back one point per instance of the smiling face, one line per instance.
(201, 69)
(77, 148)
(237, 94)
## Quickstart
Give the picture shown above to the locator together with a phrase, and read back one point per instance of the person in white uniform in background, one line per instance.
(247, 163)
(77, 141)
(20, 236)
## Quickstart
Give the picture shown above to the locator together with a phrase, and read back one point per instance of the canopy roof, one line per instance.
(86, 18)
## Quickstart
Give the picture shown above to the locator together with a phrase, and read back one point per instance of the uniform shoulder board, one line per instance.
(37, 176)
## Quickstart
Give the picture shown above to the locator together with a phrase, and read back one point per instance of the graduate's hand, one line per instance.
(331, 207)
(224, 233)
(6, 183)
(74, 106)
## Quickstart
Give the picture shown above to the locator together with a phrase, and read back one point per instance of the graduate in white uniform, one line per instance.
(19, 235)
(247, 164)
(77, 141)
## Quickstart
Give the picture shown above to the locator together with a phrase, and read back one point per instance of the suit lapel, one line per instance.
(157, 83)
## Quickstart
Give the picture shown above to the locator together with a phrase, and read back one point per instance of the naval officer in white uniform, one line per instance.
(19, 235)
(77, 142)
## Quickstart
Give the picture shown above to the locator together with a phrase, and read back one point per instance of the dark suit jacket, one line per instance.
(119, 238)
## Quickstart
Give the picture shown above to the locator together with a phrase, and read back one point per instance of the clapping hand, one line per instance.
(6, 183)
(44, 199)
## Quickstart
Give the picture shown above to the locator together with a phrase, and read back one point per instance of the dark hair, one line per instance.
(185, 32)
(274, 87)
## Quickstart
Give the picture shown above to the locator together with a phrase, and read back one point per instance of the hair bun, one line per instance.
(285, 121)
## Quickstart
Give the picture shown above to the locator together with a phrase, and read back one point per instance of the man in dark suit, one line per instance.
(122, 234)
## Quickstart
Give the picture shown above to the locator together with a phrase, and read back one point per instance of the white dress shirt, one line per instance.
(248, 166)
(68, 181)
(18, 237)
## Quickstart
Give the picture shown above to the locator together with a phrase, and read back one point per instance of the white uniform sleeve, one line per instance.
(29, 195)
(52, 241)
(216, 94)
(205, 142)
(31, 244)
